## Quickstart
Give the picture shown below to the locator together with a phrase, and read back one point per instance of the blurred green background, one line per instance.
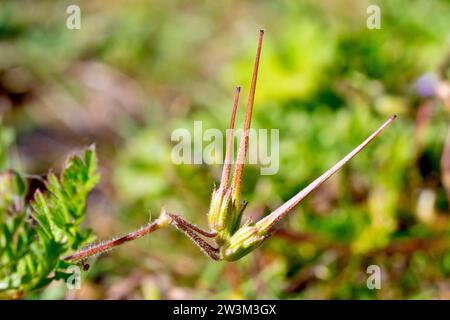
(137, 70)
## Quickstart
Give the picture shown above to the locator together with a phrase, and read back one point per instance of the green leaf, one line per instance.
(30, 255)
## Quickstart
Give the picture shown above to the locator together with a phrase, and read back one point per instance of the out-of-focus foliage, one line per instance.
(35, 237)
(137, 71)
(6, 138)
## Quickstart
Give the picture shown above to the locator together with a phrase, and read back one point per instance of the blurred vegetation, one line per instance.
(137, 71)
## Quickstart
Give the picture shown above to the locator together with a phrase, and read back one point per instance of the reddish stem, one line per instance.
(164, 219)
(180, 220)
(108, 245)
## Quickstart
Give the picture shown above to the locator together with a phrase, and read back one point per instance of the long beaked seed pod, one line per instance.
(228, 151)
(225, 218)
(216, 215)
(250, 237)
(243, 145)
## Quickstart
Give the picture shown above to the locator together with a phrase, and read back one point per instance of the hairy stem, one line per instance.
(91, 250)
(209, 250)
(164, 220)
(180, 220)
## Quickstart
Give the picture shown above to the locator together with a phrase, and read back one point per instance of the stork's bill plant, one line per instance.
(231, 239)
(39, 240)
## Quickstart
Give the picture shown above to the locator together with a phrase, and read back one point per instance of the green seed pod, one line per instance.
(223, 212)
(220, 216)
(245, 240)
(212, 213)
(215, 218)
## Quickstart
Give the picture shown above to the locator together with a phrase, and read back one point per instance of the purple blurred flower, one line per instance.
(426, 84)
